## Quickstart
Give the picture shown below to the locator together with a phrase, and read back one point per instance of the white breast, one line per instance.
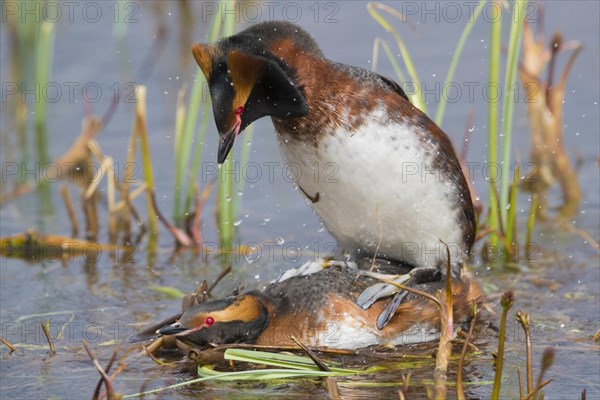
(378, 190)
(351, 331)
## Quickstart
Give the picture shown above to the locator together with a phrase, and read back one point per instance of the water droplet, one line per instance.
(237, 223)
(280, 240)
(267, 219)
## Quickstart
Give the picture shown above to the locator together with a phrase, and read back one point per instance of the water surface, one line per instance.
(106, 299)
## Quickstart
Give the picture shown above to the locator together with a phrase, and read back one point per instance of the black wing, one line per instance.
(362, 73)
(394, 85)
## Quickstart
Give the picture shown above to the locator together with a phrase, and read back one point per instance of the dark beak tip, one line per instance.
(221, 158)
(169, 330)
(225, 145)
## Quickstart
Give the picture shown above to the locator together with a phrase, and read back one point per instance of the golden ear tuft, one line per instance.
(246, 309)
(204, 55)
(246, 70)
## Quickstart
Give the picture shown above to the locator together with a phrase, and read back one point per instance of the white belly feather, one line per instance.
(378, 190)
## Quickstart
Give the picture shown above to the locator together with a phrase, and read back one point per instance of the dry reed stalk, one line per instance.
(545, 109)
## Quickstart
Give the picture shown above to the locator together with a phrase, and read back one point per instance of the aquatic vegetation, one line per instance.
(116, 207)
(545, 111)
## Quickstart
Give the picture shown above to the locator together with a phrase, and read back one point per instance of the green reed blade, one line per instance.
(215, 28)
(184, 149)
(45, 53)
(439, 116)
(493, 131)
(510, 81)
(531, 219)
(197, 159)
(226, 175)
(372, 8)
(511, 223)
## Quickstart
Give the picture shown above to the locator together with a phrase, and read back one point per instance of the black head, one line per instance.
(247, 81)
(232, 320)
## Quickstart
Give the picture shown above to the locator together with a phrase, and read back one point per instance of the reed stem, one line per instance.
(45, 52)
(439, 116)
(510, 80)
(494, 78)
(226, 171)
(372, 8)
(141, 128)
(506, 301)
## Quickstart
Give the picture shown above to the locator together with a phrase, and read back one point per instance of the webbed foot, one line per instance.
(378, 291)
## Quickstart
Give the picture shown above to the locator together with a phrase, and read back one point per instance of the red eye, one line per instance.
(239, 110)
(209, 321)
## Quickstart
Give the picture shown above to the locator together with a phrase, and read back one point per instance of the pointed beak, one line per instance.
(172, 329)
(225, 146)
(227, 140)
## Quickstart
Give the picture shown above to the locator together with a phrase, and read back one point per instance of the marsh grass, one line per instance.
(493, 124)
(287, 366)
(506, 302)
(529, 390)
(545, 112)
(510, 79)
(44, 59)
(503, 195)
(31, 52)
(375, 10)
(225, 189)
(189, 135)
(141, 131)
